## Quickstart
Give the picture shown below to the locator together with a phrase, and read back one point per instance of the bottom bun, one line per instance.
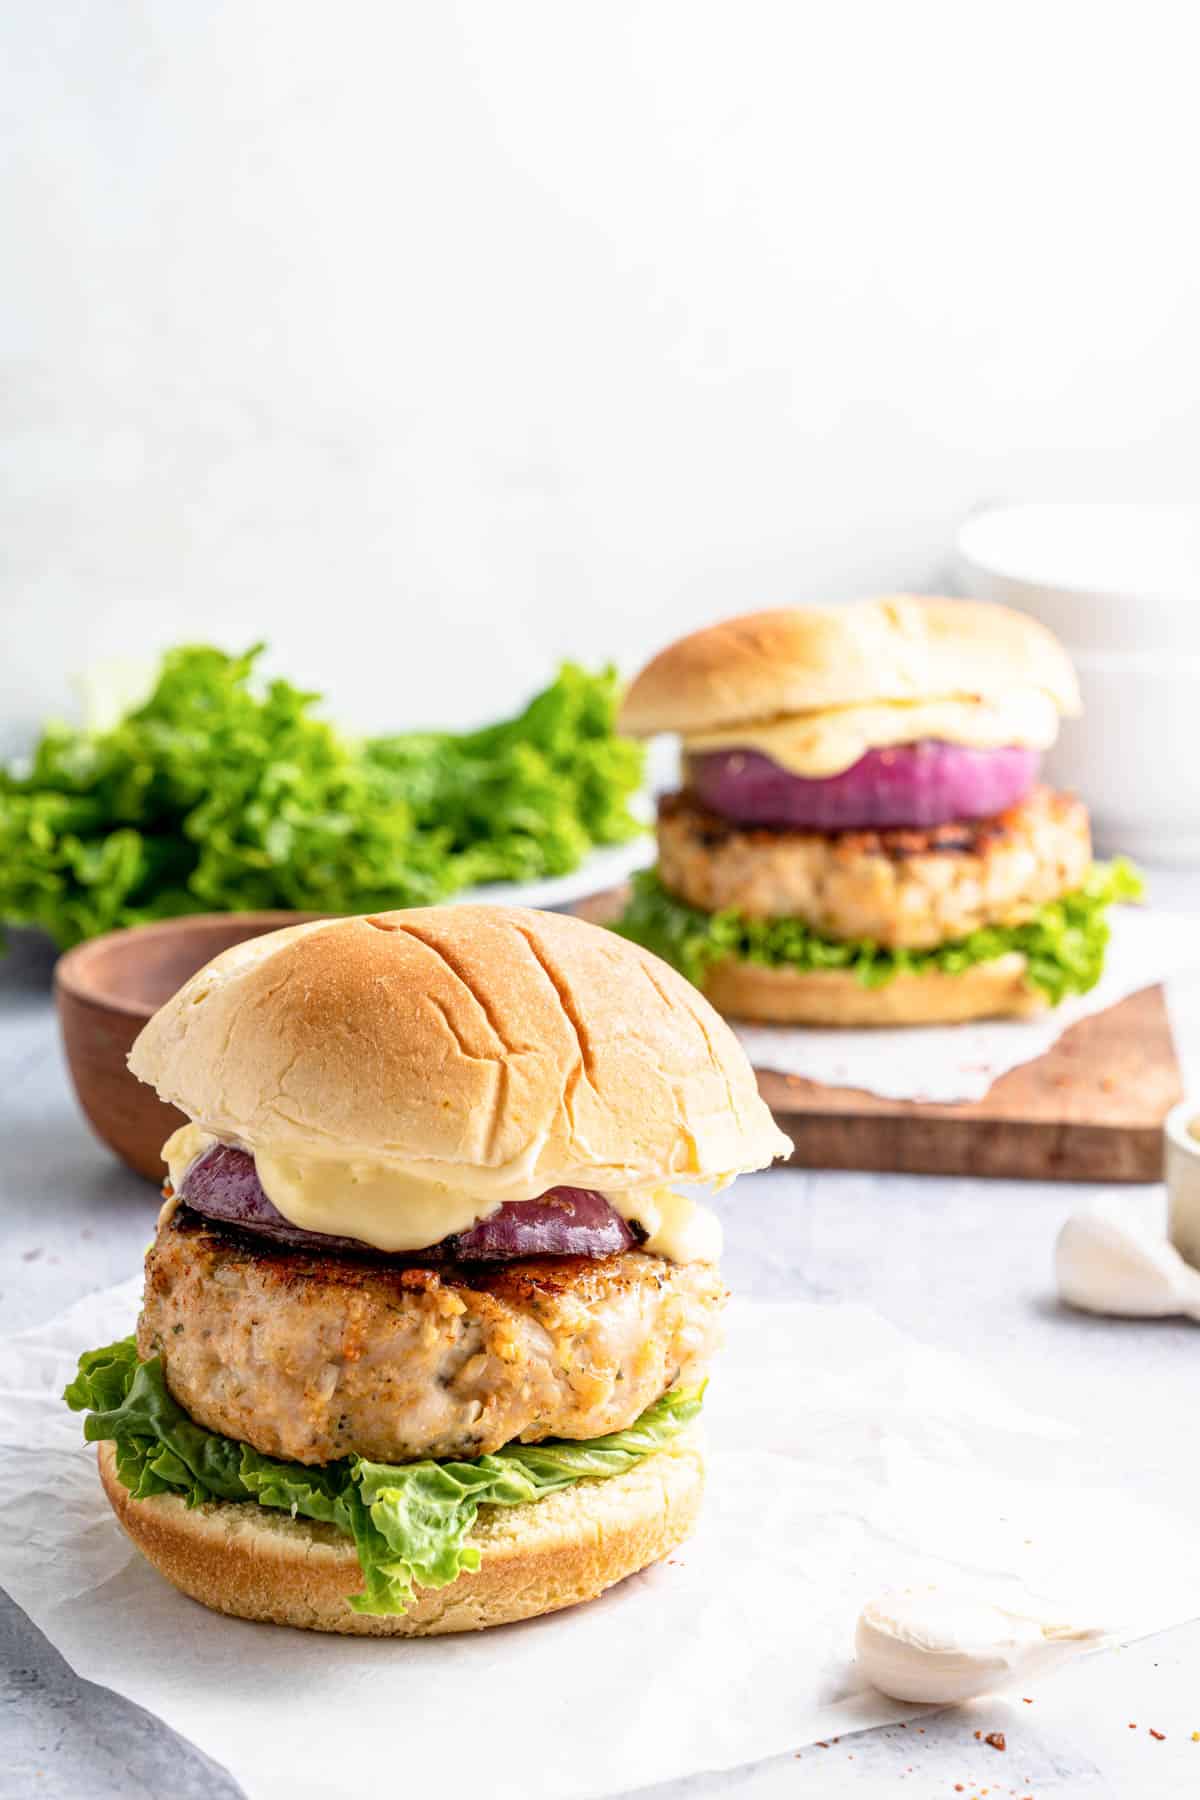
(989, 990)
(256, 1563)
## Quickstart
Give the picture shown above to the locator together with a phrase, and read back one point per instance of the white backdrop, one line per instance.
(433, 341)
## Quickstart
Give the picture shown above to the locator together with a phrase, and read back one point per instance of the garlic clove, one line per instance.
(1107, 1261)
(931, 1646)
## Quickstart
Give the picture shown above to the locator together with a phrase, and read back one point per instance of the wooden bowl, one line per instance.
(107, 988)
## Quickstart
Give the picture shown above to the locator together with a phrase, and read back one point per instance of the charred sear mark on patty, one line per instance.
(964, 837)
(299, 1269)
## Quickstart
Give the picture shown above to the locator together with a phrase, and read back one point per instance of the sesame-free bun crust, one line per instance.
(462, 1038)
(989, 990)
(257, 1563)
(801, 659)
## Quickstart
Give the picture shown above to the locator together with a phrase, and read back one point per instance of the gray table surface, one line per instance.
(957, 1262)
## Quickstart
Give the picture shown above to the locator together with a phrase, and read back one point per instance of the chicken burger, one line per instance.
(427, 1314)
(861, 836)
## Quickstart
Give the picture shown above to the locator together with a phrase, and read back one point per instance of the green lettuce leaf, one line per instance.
(220, 793)
(410, 1522)
(1064, 942)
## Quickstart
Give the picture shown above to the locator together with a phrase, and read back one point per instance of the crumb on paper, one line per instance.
(1160, 1735)
(997, 1740)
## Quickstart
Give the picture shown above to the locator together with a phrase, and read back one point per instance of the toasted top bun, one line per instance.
(803, 659)
(490, 1038)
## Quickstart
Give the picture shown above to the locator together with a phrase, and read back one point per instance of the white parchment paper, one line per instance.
(845, 1458)
(946, 1063)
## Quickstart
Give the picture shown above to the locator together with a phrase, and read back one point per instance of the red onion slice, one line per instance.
(223, 1184)
(564, 1222)
(923, 784)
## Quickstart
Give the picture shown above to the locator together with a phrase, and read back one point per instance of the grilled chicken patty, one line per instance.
(911, 889)
(313, 1357)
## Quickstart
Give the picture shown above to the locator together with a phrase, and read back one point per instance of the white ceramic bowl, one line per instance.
(1102, 577)
(1134, 755)
(1182, 1168)
(1120, 586)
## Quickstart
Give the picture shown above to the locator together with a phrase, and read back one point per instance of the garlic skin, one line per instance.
(1107, 1261)
(929, 1645)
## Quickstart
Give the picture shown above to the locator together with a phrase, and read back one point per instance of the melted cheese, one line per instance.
(182, 1149)
(820, 744)
(678, 1227)
(401, 1208)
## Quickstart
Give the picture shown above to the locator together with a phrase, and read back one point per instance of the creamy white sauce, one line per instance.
(820, 744)
(401, 1208)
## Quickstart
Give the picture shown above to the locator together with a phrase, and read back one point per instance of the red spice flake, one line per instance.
(996, 1740)
(1025, 1702)
(978, 1735)
(958, 1787)
(1133, 1724)
(1160, 1735)
(821, 1744)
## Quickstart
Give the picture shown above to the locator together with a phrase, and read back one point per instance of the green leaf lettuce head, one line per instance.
(410, 1522)
(221, 793)
(1063, 944)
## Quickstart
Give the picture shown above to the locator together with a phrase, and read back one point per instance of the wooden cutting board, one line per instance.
(1091, 1109)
